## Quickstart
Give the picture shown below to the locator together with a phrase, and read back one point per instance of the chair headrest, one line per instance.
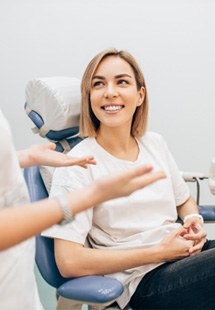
(53, 104)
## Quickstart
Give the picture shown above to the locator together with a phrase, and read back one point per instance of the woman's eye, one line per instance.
(97, 83)
(122, 82)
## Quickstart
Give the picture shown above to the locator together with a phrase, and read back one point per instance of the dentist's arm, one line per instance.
(20, 223)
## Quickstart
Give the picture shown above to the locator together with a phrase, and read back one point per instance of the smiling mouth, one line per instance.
(112, 107)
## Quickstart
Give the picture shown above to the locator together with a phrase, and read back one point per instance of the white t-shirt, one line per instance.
(18, 289)
(138, 221)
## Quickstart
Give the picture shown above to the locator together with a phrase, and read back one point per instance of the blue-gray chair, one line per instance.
(96, 290)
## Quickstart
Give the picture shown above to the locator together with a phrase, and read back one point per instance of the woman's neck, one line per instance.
(118, 143)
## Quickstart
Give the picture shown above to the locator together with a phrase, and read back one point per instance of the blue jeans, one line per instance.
(185, 284)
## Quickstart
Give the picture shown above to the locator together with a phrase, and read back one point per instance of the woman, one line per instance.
(161, 263)
(20, 220)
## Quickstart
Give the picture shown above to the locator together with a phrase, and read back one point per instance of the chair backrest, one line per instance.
(56, 101)
(44, 246)
(53, 105)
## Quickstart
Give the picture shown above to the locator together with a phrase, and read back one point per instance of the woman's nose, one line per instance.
(110, 91)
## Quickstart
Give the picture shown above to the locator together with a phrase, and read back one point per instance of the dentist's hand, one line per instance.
(126, 182)
(45, 154)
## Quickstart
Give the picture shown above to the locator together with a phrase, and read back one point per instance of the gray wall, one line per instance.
(173, 40)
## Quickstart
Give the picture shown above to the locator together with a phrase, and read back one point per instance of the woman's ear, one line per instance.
(142, 93)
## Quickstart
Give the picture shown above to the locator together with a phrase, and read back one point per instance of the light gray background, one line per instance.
(173, 40)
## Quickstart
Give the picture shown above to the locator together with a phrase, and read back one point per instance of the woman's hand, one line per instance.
(45, 154)
(196, 233)
(175, 246)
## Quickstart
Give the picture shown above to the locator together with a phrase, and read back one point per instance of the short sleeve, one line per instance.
(180, 188)
(66, 180)
(76, 231)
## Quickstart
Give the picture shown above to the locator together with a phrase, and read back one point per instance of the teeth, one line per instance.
(113, 108)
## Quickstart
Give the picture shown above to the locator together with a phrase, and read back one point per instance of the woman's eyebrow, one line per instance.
(118, 76)
(98, 77)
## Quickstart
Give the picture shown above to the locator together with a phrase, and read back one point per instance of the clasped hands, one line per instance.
(183, 242)
(196, 233)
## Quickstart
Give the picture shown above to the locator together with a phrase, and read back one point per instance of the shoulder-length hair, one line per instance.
(89, 124)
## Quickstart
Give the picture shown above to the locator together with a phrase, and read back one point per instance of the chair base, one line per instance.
(68, 304)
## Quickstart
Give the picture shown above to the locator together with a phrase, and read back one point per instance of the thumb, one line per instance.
(52, 146)
(182, 231)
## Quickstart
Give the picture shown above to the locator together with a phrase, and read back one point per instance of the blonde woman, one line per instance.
(137, 240)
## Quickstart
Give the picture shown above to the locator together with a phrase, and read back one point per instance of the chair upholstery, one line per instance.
(88, 289)
(208, 212)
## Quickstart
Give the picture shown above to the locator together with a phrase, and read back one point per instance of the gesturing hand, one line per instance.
(125, 183)
(45, 154)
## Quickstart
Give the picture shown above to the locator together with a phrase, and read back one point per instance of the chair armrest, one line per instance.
(93, 289)
(191, 176)
(207, 212)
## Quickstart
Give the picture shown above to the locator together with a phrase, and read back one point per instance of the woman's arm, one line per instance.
(188, 207)
(45, 154)
(18, 224)
(74, 260)
(193, 223)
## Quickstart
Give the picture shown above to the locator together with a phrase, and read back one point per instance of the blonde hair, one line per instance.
(89, 123)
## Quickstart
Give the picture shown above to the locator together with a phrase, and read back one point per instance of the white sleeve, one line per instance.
(180, 188)
(66, 180)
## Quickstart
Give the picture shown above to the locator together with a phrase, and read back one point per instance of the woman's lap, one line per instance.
(185, 284)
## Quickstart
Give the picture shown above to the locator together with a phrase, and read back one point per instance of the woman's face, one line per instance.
(114, 95)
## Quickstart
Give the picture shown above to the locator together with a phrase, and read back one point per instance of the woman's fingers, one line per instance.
(197, 247)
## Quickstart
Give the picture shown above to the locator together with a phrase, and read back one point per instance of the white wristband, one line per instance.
(189, 216)
(64, 205)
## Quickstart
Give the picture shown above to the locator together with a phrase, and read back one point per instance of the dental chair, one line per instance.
(207, 211)
(53, 105)
(60, 96)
